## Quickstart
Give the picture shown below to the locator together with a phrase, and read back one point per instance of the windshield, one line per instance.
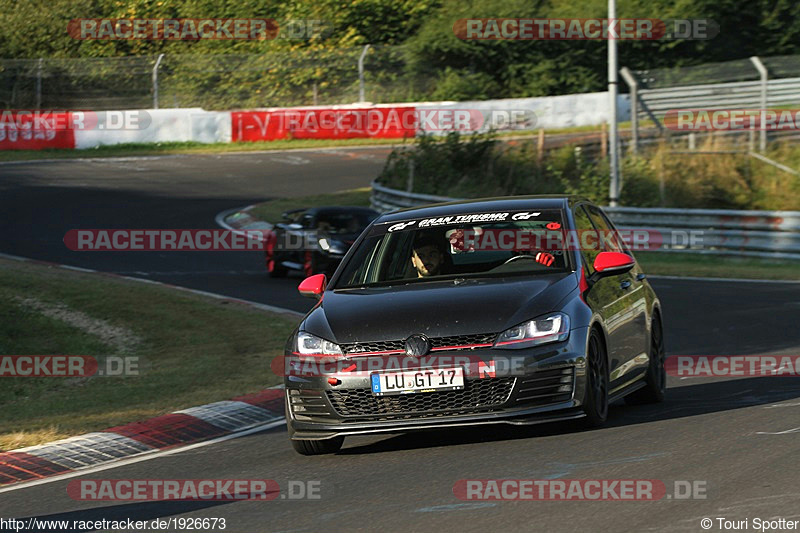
(459, 246)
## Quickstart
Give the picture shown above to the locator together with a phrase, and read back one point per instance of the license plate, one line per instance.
(422, 380)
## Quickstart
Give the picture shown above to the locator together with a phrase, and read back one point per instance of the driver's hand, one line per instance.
(545, 258)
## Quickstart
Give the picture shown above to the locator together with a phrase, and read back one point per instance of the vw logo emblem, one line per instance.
(417, 345)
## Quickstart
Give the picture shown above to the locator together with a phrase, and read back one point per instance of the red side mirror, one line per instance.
(613, 263)
(313, 286)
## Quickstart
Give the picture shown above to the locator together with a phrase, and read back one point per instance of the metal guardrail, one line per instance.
(773, 234)
(738, 95)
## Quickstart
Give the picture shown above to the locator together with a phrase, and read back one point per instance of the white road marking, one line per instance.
(290, 160)
(788, 431)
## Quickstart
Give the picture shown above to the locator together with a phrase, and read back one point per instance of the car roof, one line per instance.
(501, 203)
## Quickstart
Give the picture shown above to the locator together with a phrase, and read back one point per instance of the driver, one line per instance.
(427, 257)
(456, 237)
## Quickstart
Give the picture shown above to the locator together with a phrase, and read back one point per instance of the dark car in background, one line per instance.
(314, 240)
(422, 327)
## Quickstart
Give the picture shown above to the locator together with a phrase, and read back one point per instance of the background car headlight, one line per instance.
(549, 328)
(333, 246)
(308, 344)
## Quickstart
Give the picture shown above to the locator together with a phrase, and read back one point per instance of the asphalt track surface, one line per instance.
(737, 438)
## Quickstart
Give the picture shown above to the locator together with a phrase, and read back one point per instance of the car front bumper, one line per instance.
(530, 386)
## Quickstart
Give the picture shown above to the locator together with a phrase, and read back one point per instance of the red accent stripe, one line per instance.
(386, 352)
(528, 339)
(461, 347)
(21, 466)
(169, 430)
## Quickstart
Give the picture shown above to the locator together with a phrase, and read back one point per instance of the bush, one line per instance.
(479, 165)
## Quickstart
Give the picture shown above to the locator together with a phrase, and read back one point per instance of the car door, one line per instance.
(633, 317)
(607, 297)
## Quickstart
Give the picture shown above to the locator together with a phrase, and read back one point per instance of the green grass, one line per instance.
(191, 147)
(194, 349)
(271, 210)
(717, 266)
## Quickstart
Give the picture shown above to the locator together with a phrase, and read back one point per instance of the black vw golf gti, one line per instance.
(514, 310)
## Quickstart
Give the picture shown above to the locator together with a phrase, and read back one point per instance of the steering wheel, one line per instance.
(516, 257)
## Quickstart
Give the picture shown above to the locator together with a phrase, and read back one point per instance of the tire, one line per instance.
(595, 400)
(274, 268)
(656, 380)
(318, 447)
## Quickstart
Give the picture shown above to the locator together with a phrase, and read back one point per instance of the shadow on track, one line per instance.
(681, 402)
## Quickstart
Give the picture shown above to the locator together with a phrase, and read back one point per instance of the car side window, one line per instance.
(610, 238)
(587, 238)
(307, 221)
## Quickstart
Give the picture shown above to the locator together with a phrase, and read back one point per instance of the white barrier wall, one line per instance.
(547, 112)
(153, 126)
(195, 124)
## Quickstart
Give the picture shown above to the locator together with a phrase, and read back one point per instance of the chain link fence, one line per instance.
(753, 83)
(214, 82)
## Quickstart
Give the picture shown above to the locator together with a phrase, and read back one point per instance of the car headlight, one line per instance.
(332, 246)
(549, 328)
(308, 344)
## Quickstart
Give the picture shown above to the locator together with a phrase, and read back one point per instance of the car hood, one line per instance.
(436, 309)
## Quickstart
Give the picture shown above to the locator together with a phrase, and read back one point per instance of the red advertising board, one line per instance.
(35, 130)
(383, 122)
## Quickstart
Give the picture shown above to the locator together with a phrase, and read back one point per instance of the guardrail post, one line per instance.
(39, 84)
(762, 71)
(614, 185)
(633, 85)
(604, 140)
(540, 146)
(155, 81)
(361, 74)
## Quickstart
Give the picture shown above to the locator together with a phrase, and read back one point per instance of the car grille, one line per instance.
(477, 394)
(547, 387)
(379, 346)
(436, 342)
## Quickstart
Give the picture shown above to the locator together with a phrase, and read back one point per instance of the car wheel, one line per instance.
(274, 268)
(318, 447)
(595, 400)
(656, 380)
